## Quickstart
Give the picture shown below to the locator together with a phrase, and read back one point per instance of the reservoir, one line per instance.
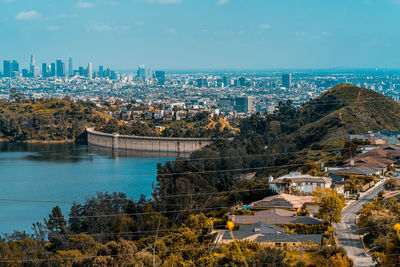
(36, 177)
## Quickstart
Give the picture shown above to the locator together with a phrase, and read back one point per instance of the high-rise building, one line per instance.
(6, 68)
(14, 66)
(70, 67)
(244, 104)
(32, 64)
(60, 68)
(45, 71)
(287, 80)
(82, 71)
(90, 71)
(53, 68)
(108, 74)
(25, 73)
(101, 71)
(160, 76)
(141, 72)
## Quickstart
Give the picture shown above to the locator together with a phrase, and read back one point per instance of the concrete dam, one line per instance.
(144, 143)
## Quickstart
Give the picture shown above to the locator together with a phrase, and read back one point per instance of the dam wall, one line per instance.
(144, 143)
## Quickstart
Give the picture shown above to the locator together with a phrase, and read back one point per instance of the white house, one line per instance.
(303, 182)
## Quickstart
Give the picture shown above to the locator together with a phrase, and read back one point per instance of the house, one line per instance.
(274, 216)
(266, 233)
(281, 201)
(303, 182)
(352, 170)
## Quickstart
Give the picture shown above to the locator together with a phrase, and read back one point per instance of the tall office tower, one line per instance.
(101, 71)
(160, 76)
(25, 73)
(70, 67)
(202, 82)
(14, 66)
(33, 64)
(287, 80)
(108, 73)
(244, 104)
(141, 72)
(60, 68)
(242, 81)
(82, 71)
(225, 81)
(45, 72)
(36, 72)
(6, 68)
(53, 69)
(90, 71)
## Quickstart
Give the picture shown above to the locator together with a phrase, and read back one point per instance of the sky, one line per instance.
(203, 34)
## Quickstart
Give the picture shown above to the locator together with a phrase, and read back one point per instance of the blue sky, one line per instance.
(204, 34)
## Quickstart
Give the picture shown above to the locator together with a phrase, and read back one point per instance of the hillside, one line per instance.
(46, 120)
(347, 109)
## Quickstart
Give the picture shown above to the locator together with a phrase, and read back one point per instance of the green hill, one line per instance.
(46, 120)
(343, 110)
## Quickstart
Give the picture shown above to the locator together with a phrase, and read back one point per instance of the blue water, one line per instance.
(59, 174)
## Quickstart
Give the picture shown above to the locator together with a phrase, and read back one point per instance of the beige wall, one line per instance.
(157, 144)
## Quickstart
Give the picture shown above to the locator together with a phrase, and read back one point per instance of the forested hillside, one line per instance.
(289, 139)
(47, 119)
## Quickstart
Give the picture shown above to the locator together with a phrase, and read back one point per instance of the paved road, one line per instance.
(347, 232)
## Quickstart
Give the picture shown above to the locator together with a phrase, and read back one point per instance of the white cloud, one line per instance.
(171, 31)
(222, 2)
(164, 1)
(96, 27)
(53, 28)
(300, 33)
(81, 4)
(7, 1)
(325, 33)
(265, 26)
(26, 15)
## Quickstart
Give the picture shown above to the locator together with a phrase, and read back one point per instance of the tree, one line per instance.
(58, 230)
(330, 205)
(390, 184)
(15, 95)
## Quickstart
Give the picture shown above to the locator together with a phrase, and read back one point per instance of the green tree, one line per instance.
(330, 205)
(390, 184)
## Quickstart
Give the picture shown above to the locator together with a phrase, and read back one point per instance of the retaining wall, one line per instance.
(143, 143)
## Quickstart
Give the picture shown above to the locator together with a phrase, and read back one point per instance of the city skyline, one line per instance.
(211, 34)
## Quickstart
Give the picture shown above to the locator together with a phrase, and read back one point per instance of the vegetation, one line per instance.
(330, 205)
(47, 120)
(377, 222)
(390, 183)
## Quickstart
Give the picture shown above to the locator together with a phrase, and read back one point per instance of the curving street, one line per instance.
(347, 231)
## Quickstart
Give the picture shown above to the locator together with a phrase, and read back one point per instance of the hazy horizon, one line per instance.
(206, 34)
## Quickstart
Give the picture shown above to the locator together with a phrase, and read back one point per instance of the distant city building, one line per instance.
(70, 67)
(90, 71)
(32, 65)
(202, 82)
(60, 68)
(15, 66)
(45, 71)
(160, 76)
(101, 71)
(141, 72)
(6, 68)
(53, 69)
(82, 71)
(244, 104)
(287, 80)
